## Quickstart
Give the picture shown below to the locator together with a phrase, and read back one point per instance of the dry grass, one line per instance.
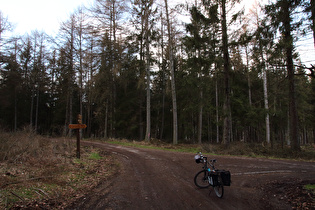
(43, 172)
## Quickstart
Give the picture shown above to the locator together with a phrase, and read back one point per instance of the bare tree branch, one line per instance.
(311, 69)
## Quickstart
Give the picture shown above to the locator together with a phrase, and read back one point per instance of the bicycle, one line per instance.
(210, 176)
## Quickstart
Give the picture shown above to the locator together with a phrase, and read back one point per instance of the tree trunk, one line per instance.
(148, 75)
(72, 73)
(248, 78)
(265, 87)
(15, 109)
(163, 79)
(200, 118)
(65, 132)
(106, 120)
(313, 18)
(266, 108)
(70, 111)
(148, 127)
(290, 68)
(36, 113)
(217, 108)
(170, 41)
(227, 102)
(142, 65)
(80, 31)
(31, 111)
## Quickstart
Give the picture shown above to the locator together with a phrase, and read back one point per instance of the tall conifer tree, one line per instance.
(281, 14)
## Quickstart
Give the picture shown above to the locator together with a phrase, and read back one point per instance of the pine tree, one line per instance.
(262, 42)
(227, 130)
(281, 16)
(10, 88)
(172, 70)
(143, 22)
(200, 44)
(109, 14)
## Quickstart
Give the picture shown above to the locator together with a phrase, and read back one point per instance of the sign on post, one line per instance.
(77, 127)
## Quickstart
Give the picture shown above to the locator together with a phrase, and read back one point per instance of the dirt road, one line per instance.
(156, 179)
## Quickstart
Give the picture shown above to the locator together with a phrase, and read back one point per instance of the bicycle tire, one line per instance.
(201, 179)
(219, 189)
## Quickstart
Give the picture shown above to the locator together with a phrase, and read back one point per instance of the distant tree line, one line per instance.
(134, 70)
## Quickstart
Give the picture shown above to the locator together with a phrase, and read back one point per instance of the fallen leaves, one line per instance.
(53, 181)
(292, 192)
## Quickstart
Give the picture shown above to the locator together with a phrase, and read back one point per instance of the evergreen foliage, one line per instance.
(99, 66)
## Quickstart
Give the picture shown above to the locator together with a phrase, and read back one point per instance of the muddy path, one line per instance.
(156, 179)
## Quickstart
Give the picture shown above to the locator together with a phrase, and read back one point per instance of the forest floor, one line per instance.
(111, 176)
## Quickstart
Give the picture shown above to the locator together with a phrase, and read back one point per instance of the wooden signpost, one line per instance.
(77, 127)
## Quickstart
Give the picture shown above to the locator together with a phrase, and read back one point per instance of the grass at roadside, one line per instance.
(158, 145)
(44, 173)
(41, 172)
(310, 187)
(307, 152)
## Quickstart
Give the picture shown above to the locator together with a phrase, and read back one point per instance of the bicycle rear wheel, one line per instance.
(201, 179)
(219, 189)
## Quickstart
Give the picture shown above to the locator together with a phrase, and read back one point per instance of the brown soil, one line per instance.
(155, 179)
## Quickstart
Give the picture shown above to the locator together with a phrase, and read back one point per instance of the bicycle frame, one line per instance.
(206, 163)
(209, 176)
(212, 175)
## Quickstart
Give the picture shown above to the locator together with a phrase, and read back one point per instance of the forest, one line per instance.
(198, 72)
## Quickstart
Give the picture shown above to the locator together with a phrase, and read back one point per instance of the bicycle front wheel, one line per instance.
(201, 179)
(219, 189)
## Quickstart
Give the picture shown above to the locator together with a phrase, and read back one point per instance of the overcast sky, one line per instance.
(46, 15)
(29, 15)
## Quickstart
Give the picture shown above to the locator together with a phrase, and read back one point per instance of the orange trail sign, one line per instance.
(77, 126)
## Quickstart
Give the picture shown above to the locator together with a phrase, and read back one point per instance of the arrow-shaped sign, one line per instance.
(77, 126)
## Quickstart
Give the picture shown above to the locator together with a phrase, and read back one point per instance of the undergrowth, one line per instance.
(43, 172)
(307, 152)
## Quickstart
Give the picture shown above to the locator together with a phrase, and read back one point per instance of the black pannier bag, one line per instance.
(226, 177)
(214, 177)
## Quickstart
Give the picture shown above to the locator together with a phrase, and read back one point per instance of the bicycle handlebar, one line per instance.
(213, 161)
(203, 159)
